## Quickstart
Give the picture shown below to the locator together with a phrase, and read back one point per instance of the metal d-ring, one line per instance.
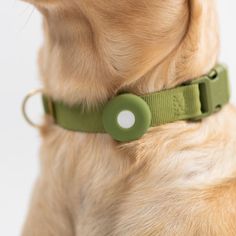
(24, 104)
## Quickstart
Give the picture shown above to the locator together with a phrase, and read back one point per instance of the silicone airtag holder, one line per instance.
(126, 103)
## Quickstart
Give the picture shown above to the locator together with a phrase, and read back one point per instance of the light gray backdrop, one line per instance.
(20, 38)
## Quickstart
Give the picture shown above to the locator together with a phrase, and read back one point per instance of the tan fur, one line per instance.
(180, 178)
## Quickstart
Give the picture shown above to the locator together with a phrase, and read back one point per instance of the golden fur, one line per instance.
(180, 178)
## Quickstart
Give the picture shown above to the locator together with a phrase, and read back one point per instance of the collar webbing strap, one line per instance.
(127, 116)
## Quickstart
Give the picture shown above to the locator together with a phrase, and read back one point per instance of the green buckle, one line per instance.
(214, 91)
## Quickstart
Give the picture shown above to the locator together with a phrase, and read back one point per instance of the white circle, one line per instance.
(126, 119)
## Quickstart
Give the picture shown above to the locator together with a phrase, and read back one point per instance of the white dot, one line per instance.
(126, 119)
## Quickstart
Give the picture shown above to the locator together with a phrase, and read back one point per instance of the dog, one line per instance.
(179, 178)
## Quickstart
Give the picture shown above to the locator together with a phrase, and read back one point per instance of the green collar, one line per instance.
(127, 116)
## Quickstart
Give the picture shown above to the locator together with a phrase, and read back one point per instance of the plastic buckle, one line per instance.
(214, 91)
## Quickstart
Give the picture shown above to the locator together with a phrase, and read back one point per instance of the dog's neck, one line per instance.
(78, 64)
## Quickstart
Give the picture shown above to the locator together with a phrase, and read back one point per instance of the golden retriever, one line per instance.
(179, 178)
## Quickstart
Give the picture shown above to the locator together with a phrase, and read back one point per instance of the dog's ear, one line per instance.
(199, 49)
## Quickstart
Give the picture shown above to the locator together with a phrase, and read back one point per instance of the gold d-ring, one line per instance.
(24, 104)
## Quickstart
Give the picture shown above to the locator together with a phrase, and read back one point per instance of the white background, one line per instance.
(20, 38)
